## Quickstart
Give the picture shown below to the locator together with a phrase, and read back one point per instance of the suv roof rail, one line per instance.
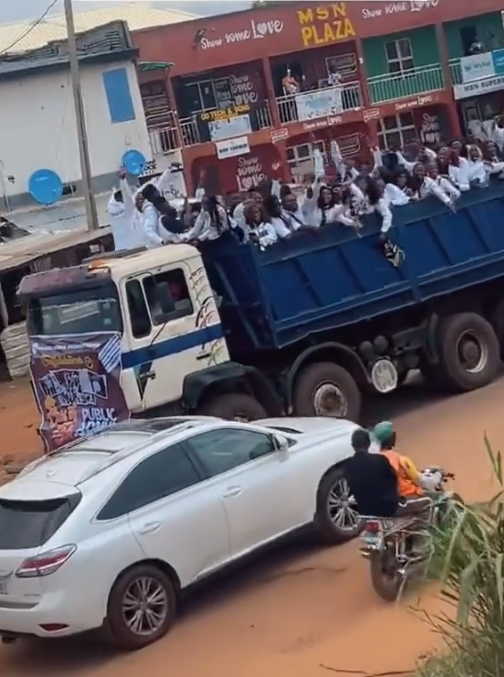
(118, 456)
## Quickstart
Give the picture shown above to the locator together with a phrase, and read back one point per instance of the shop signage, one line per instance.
(319, 103)
(278, 135)
(371, 114)
(325, 24)
(398, 8)
(217, 125)
(320, 124)
(417, 102)
(498, 61)
(476, 67)
(232, 147)
(254, 31)
(478, 87)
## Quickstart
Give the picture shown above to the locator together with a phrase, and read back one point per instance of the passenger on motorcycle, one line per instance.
(371, 479)
(413, 486)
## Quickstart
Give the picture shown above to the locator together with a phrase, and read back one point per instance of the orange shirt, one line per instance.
(405, 470)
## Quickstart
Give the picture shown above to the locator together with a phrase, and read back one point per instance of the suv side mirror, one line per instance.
(281, 443)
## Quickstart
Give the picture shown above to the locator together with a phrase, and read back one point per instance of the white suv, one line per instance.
(109, 531)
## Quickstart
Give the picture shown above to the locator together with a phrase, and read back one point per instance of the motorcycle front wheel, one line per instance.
(385, 575)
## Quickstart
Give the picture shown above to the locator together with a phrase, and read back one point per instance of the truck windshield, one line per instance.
(75, 311)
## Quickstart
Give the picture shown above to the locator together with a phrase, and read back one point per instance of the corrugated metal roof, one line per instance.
(137, 15)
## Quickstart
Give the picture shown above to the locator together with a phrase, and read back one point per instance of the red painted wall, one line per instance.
(212, 42)
(236, 173)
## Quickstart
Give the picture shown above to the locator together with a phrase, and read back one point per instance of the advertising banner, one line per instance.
(76, 381)
(319, 103)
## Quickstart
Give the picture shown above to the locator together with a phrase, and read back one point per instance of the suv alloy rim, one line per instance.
(340, 507)
(145, 606)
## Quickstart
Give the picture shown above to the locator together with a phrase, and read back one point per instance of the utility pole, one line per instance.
(82, 139)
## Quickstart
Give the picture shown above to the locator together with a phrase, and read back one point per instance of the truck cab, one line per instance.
(160, 306)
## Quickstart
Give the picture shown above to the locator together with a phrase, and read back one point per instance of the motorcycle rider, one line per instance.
(371, 479)
(414, 487)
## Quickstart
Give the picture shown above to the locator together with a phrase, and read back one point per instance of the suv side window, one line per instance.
(167, 296)
(221, 450)
(137, 308)
(162, 474)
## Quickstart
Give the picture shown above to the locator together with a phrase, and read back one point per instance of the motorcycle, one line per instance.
(389, 543)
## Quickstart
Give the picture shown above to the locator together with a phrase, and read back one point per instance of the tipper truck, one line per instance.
(304, 327)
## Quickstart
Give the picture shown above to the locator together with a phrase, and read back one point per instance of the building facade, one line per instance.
(265, 86)
(37, 115)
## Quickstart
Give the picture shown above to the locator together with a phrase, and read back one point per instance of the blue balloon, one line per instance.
(134, 161)
(45, 186)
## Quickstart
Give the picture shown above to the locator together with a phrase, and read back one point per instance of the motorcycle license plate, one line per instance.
(371, 539)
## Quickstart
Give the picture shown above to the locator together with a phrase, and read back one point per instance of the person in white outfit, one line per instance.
(121, 212)
(493, 159)
(210, 224)
(424, 186)
(459, 171)
(432, 170)
(256, 229)
(478, 174)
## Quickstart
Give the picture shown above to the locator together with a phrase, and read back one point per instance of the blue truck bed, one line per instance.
(313, 283)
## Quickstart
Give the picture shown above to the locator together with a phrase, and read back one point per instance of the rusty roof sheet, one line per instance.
(137, 15)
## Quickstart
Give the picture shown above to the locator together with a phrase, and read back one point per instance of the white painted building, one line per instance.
(38, 126)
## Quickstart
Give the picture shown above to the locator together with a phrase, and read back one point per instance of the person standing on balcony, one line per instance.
(290, 85)
(333, 78)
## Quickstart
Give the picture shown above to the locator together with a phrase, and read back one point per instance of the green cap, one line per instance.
(383, 431)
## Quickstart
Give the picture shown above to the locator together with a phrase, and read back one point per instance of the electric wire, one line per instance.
(30, 28)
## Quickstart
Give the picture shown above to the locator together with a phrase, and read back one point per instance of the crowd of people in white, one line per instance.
(276, 211)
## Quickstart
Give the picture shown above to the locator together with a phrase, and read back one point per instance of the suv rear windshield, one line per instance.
(29, 524)
(79, 311)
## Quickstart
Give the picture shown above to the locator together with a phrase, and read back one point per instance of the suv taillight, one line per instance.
(46, 563)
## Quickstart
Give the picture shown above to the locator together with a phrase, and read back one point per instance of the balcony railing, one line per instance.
(164, 133)
(455, 71)
(348, 97)
(173, 136)
(392, 86)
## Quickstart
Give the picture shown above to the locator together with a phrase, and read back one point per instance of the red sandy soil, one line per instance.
(301, 611)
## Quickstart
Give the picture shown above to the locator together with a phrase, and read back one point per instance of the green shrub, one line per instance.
(468, 560)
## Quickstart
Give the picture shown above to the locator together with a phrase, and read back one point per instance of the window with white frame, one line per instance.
(399, 55)
(397, 131)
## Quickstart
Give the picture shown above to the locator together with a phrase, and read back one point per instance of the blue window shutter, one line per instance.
(118, 95)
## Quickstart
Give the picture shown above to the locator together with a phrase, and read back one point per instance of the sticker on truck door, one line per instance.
(76, 380)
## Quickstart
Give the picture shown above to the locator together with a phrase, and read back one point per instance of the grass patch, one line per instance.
(468, 560)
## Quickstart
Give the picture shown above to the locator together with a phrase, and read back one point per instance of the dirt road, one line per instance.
(300, 611)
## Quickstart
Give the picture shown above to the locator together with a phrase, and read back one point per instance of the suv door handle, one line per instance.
(230, 492)
(150, 528)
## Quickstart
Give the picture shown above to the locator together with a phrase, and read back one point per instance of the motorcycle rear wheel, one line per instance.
(385, 576)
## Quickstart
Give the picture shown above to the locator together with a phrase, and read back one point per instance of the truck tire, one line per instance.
(497, 320)
(469, 351)
(326, 389)
(234, 407)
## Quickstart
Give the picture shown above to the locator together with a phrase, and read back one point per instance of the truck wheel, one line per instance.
(234, 407)
(469, 351)
(497, 320)
(326, 389)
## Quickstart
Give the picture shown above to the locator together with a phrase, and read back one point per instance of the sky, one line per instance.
(31, 9)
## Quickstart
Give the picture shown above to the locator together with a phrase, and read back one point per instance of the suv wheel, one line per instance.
(141, 608)
(336, 518)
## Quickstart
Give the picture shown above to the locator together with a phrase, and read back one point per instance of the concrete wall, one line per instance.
(38, 129)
